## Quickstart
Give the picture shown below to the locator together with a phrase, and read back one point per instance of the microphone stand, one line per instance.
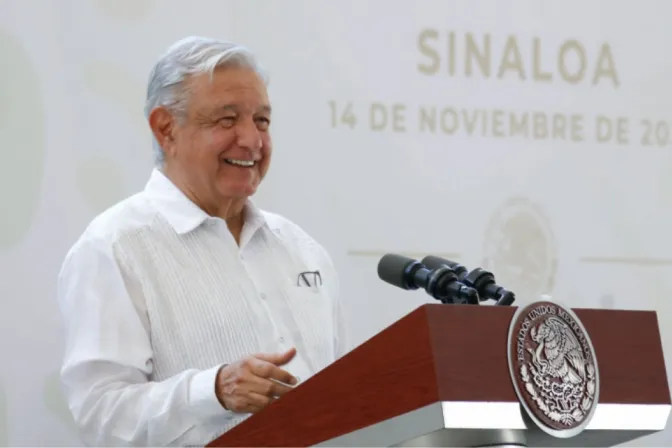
(484, 283)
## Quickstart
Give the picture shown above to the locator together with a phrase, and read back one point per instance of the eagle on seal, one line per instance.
(564, 358)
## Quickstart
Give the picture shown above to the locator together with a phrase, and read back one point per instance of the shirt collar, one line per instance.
(183, 214)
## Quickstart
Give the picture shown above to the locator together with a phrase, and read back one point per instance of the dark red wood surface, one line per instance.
(447, 353)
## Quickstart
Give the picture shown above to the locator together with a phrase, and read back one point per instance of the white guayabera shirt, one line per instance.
(156, 295)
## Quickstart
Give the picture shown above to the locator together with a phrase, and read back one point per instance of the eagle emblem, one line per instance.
(553, 367)
(520, 246)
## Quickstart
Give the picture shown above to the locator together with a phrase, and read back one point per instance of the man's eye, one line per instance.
(263, 122)
(227, 121)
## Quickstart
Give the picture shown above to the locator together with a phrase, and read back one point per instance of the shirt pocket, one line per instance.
(312, 311)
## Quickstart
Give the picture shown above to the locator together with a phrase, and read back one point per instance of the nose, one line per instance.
(249, 136)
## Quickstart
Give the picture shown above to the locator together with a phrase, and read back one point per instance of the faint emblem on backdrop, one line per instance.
(22, 139)
(553, 367)
(519, 246)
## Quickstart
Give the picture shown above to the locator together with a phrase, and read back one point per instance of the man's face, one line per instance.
(222, 149)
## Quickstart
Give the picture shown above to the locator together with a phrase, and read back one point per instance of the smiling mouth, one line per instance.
(241, 163)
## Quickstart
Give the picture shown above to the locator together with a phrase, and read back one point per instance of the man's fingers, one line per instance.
(252, 403)
(257, 401)
(253, 383)
(268, 388)
(267, 370)
(279, 359)
(278, 374)
(278, 389)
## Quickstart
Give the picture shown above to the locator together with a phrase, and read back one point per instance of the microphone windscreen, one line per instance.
(396, 270)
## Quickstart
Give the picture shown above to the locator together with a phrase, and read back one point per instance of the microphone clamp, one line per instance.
(444, 285)
(484, 282)
(479, 279)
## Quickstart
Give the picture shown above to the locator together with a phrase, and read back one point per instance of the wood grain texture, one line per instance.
(391, 373)
(469, 348)
(447, 353)
(629, 355)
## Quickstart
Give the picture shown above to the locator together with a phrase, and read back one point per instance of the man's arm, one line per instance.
(108, 360)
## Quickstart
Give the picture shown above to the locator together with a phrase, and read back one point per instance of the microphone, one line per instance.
(479, 279)
(441, 283)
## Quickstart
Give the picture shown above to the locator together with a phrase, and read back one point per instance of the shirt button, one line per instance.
(282, 339)
(263, 296)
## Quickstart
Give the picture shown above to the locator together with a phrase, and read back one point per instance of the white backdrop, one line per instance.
(548, 160)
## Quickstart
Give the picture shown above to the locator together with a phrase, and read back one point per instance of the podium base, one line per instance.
(502, 424)
(495, 438)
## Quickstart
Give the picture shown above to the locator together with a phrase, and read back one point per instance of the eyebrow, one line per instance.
(232, 107)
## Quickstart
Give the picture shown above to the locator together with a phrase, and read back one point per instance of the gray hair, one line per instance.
(187, 57)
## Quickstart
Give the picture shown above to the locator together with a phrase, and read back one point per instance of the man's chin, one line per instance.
(239, 191)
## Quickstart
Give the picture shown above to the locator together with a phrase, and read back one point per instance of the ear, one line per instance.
(162, 123)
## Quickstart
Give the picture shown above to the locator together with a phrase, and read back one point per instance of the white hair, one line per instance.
(188, 57)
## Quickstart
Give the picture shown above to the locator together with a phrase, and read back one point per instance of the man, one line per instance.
(188, 309)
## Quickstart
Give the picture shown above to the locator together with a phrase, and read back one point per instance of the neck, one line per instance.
(235, 225)
(230, 210)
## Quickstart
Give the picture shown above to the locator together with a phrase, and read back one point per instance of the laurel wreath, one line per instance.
(566, 418)
(590, 388)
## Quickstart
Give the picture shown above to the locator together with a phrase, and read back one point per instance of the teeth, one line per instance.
(240, 162)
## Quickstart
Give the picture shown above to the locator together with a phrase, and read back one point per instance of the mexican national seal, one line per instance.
(553, 368)
(519, 245)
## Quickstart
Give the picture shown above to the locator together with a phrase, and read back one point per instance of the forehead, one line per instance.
(239, 87)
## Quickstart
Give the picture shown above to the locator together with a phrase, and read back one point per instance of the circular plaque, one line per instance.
(553, 368)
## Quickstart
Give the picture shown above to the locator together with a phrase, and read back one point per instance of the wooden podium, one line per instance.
(440, 377)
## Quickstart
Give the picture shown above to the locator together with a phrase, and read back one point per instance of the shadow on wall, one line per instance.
(55, 402)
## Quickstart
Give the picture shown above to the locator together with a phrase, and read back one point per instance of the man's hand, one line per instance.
(247, 386)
